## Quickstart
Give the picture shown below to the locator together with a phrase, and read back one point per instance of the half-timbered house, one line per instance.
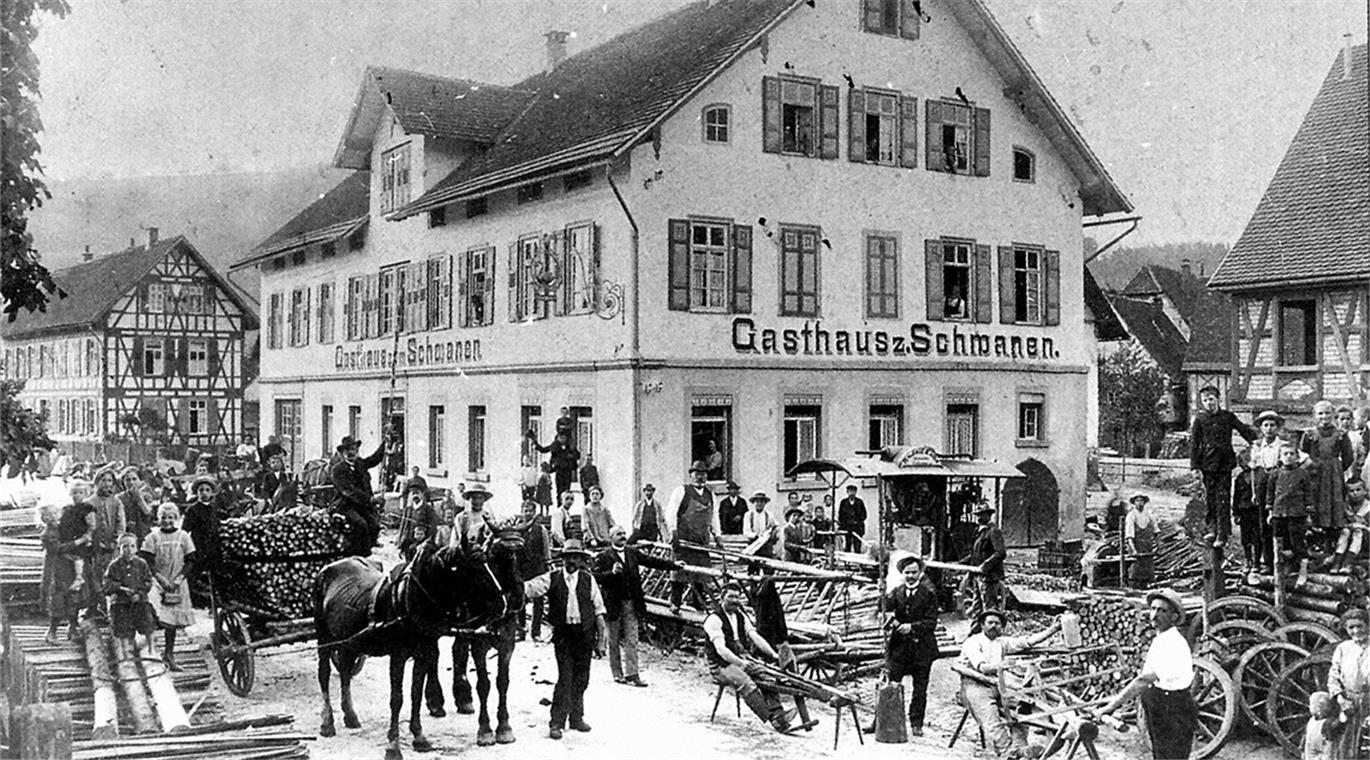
(1299, 275)
(148, 343)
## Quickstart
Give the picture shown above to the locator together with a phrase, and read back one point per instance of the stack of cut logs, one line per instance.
(1178, 560)
(1119, 620)
(285, 535)
(1322, 599)
(272, 561)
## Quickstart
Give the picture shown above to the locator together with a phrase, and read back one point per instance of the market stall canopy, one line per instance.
(906, 461)
(982, 468)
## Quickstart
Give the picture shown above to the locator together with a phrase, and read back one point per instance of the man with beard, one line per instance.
(731, 639)
(575, 610)
(355, 502)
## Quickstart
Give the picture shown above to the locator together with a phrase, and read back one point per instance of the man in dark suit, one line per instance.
(352, 484)
(851, 518)
(617, 570)
(912, 645)
(731, 510)
(575, 610)
(1212, 459)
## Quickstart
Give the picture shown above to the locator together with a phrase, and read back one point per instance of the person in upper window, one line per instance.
(956, 305)
(1163, 685)
(1211, 458)
(713, 459)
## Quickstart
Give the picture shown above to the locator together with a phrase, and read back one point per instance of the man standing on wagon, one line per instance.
(355, 502)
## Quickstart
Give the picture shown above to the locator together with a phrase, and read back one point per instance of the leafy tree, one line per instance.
(23, 432)
(24, 282)
(1130, 388)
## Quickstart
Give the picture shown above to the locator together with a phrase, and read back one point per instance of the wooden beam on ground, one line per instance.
(135, 690)
(106, 720)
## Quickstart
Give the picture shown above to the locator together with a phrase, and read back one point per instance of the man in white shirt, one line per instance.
(758, 523)
(985, 653)
(575, 610)
(731, 638)
(1163, 684)
(568, 520)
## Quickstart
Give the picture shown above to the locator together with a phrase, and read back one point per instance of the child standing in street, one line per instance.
(170, 551)
(1291, 494)
(128, 580)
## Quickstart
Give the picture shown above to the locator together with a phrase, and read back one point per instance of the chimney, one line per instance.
(1186, 266)
(556, 47)
(1201, 269)
(1346, 56)
(151, 236)
(87, 256)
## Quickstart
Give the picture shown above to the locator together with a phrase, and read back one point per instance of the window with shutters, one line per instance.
(882, 276)
(798, 272)
(157, 297)
(955, 138)
(803, 433)
(532, 260)
(1031, 418)
(709, 266)
(478, 288)
(289, 426)
(437, 432)
(885, 425)
(354, 422)
(1024, 165)
(576, 180)
(1027, 286)
(154, 358)
(475, 438)
(798, 117)
(1298, 333)
(581, 268)
(299, 317)
(352, 308)
(394, 178)
(896, 18)
(958, 138)
(439, 301)
(956, 280)
(273, 321)
(717, 122)
(371, 301)
(197, 419)
(388, 307)
(881, 123)
(197, 358)
(477, 207)
(325, 320)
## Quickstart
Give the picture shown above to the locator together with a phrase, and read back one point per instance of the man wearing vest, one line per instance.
(731, 638)
(575, 610)
(692, 505)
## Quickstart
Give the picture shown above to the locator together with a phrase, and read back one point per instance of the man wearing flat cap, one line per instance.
(354, 500)
(649, 518)
(912, 644)
(987, 553)
(1163, 684)
(731, 509)
(696, 521)
(982, 656)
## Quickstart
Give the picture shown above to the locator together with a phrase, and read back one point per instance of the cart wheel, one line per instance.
(1216, 696)
(818, 670)
(236, 667)
(1286, 705)
(1247, 608)
(1308, 635)
(1256, 672)
(1228, 640)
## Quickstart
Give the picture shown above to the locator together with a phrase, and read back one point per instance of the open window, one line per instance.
(1299, 332)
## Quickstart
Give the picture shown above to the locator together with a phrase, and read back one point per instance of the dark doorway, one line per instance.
(1032, 507)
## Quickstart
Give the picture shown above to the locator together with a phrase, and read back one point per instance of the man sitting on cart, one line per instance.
(982, 657)
(352, 484)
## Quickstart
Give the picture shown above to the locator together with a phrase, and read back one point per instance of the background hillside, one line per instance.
(1118, 265)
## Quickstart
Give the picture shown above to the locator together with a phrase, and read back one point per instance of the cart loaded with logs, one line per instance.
(261, 593)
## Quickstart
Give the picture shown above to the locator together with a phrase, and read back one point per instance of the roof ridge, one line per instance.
(374, 67)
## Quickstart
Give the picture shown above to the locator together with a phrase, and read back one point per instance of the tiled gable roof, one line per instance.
(93, 287)
(1313, 223)
(336, 214)
(1107, 325)
(1210, 337)
(1148, 324)
(1182, 289)
(432, 105)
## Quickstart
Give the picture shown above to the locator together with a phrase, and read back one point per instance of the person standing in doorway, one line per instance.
(1212, 459)
(731, 509)
(1139, 531)
(1163, 684)
(851, 520)
(696, 522)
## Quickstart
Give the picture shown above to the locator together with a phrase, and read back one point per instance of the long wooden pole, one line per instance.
(106, 718)
(135, 691)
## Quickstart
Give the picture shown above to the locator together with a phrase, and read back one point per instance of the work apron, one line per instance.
(1142, 570)
(694, 525)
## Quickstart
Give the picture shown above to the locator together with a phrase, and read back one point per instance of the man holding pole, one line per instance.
(988, 554)
(692, 506)
(352, 484)
(731, 638)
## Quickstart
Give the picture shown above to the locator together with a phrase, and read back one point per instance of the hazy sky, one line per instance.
(1189, 103)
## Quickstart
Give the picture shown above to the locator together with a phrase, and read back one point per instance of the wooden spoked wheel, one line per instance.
(1227, 640)
(1308, 635)
(1247, 608)
(819, 670)
(1286, 704)
(1217, 697)
(1257, 670)
(232, 653)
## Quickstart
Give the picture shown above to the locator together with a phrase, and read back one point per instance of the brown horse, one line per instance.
(360, 610)
(500, 637)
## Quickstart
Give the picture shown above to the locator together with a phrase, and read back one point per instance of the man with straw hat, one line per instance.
(1163, 684)
(575, 610)
(1139, 536)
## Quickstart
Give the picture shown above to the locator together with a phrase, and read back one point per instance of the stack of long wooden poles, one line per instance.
(21, 571)
(1322, 599)
(265, 738)
(1178, 560)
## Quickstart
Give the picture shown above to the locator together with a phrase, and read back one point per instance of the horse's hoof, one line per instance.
(466, 708)
(437, 712)
(327, 730)
(505, 735)
(485, 738)
(351, 721)
(421, 744)
(393, 753)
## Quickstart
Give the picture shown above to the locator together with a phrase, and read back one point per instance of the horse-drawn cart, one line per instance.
(261, 592)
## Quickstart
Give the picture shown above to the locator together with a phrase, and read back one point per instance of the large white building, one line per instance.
(791, 229)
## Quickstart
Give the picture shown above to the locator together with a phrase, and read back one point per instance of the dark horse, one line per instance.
(501, 636)
(360, 610)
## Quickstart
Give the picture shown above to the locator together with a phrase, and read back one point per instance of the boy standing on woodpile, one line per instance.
(1290, 494)
(1212, 459)
(1265, 465)
(127, 582)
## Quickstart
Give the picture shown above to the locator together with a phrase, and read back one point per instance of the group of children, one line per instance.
(1293, 489)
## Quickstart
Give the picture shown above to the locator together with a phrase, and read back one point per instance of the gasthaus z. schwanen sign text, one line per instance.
(922, 339)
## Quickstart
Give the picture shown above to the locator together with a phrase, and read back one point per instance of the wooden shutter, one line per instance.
(932, 129)
(463, 291)
(908, 19)
(560, 253)
(308, 316)
(1053, 287)
(212, 417)
(984, 284)
(828, 116)
(1008, 304)
(372, 301)
(515, 300)
(742, 269)
(771, 126)
(873, 15)
(213, 356)
(678, 265)
(596, 261)
(982, 149)
(856, 125)
(932, 253)
(908, 131)
(137, 358)
(489, 316)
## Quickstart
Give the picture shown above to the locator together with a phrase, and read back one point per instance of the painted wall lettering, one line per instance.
(813, 339)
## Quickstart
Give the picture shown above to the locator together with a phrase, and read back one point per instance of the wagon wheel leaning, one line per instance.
(232, 640)
(1216, 697)
(1286, 706)
(1227, 640)
(1308, 635)
(1257, 670)
(1247, 608)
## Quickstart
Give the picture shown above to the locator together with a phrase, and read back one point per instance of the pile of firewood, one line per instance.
(271, 590)
(284, 535)
(1120, 620)
(1178, 559)
(1322, 598)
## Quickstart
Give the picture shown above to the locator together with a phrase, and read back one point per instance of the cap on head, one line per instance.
(983, 507)
(851, 489)
(759, 496)
(793, 511)
(1209, 390)
(1270, 414)
(908, 560)
(1172, 599)
(1139, 498)
(987, 614)
(733, 486)
(649, 487)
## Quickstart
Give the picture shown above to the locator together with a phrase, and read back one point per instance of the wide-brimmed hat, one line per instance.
(759, 496)
(980, 619)
(1171, 598)
(733, 486)
(699, 466)
(1136, 497)
(573, 546)
(348, 442)
(903, 561)
(1269, 414)
(984, 506)
(794, 510)
(211, 482)
(476, 489)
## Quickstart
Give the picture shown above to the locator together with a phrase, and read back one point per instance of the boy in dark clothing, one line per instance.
(1248, 518)
(1211, 457)
(1291, 494)
(127, 582)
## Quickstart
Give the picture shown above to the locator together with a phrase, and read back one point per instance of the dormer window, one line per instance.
(717, 120)
(896, 18)
(576, 180)
(394, 178)
(1024, 165)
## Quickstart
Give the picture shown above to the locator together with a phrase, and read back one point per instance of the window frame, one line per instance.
(202, 370)
(437, 435)
(326, 429)
(395, 177)
(298, 317)
(968, 294)
(326, 314)
(709, 250)
(1026, 289)
(790, 137)
(352, 308)
(157, 293)
(718, 409)
(581, 297)
(154, 361)
(388, 291)
(800, 232)
(1030, 402)
(883, 97)
(476, 438)
(1032, 165)
(795, 413)
(884, 412)
(725, 127)
(482, 276)
(891, 290)
(1311, 337)
(954, 404)
(197, 416)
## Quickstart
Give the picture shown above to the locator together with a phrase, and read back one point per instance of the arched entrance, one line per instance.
(1031, 506)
